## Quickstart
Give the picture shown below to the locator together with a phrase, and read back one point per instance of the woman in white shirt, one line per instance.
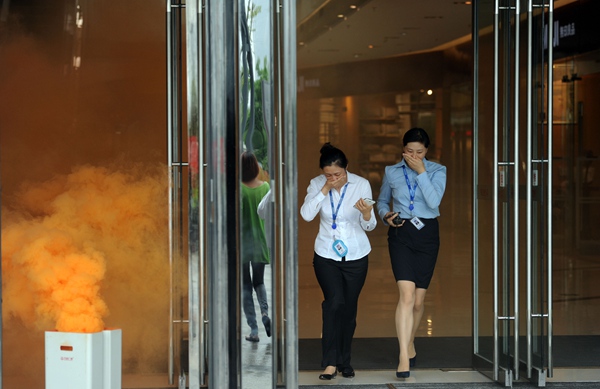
(341, 252)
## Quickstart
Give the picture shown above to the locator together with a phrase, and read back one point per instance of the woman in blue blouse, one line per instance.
(414, 188)
(341, 257)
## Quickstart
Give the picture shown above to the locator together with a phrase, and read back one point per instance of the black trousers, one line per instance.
(341, 283)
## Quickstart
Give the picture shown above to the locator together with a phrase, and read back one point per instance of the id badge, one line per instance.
(417, 223)
(340, 248)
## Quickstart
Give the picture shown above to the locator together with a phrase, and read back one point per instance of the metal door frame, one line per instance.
(506, 96)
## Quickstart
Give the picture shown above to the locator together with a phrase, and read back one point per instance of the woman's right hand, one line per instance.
(389, 217)
(327, 187)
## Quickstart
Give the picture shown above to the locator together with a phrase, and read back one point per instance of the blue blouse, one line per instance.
(430, 187)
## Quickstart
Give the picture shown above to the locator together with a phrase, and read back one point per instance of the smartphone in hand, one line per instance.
(369, 201)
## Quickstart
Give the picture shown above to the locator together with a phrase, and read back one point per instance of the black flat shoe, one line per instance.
(328, 376)
(403, 374)
(347, 372)
(412, 361)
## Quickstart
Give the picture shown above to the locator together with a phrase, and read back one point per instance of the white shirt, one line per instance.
(350, 224)
(263, 206)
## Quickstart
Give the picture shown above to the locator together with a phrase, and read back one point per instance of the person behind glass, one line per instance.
(414, 187)
(341, 253)
(255, 252)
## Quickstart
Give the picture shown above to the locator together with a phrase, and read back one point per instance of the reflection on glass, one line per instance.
(255, 253)
(255, 125)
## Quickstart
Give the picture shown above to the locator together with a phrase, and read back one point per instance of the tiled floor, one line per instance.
(432, 376)
(439, 376)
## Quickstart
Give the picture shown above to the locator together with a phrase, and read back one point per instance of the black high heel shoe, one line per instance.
(403, 374)
(328, 376)
(412, 361)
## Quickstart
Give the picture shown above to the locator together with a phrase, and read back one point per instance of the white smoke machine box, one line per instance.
(83, 360)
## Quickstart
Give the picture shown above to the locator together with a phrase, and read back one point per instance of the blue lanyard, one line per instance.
(334, 213)
(411, 189)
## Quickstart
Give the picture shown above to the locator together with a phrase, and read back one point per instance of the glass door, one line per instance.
(258, 187)
(231, 93)
(512, 200)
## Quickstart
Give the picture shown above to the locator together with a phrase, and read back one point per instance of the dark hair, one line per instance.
(331, 155)
(416, 134)
(250, 168)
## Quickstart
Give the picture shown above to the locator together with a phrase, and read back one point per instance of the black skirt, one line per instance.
(413, 252)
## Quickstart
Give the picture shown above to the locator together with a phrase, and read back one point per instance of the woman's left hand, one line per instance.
(364, 208)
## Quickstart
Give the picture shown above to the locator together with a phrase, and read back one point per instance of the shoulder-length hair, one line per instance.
(250, 168)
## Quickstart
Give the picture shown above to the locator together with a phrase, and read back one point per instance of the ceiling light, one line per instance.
(340, 16)
(353, 6)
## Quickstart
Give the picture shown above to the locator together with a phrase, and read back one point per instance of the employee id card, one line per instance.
(340, 248)
(417, 223)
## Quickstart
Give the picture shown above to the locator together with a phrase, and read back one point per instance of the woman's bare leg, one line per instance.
(418, 310)
(405, 320)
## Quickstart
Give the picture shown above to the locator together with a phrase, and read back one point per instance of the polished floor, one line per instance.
(385, 377)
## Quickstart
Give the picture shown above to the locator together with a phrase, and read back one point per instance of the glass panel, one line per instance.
(539, 197)
(575, 196)
(257, 109)
(84, 180)
(178, 198)
(484, 184)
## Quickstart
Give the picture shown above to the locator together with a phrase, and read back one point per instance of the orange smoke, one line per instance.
(61, 238)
